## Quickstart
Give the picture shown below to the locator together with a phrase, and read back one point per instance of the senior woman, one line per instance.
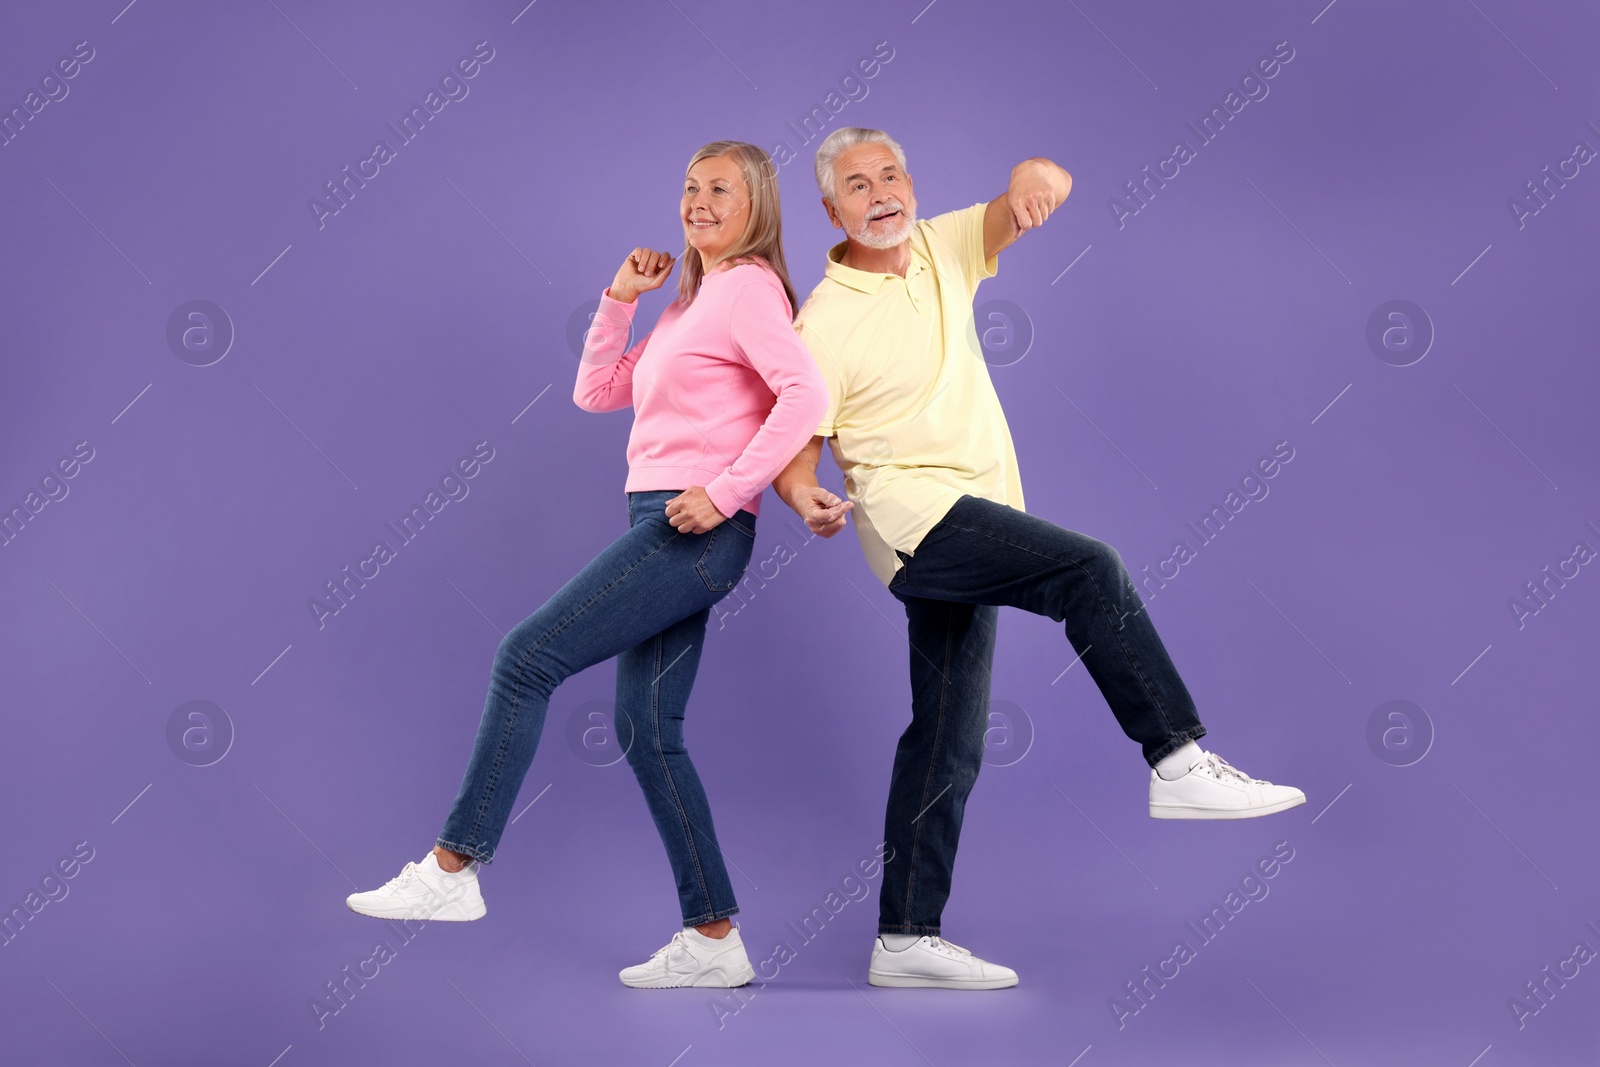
(724, 394)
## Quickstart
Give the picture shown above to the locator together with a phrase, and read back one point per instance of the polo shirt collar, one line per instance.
(868, 281)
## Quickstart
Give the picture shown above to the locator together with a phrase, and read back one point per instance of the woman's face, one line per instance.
(716, 207)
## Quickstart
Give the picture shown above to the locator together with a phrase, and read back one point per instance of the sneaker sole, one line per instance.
(716, 978)
(1178, 811)
(454, 912)
(917, 981)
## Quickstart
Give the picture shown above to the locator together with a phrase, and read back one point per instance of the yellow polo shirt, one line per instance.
(913, 420)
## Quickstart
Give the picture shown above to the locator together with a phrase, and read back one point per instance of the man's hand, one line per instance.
(1037, 188)
(823, 512)
(1032, 195)
(692, 511)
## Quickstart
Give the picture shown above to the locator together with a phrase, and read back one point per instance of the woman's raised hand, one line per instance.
(643, 270)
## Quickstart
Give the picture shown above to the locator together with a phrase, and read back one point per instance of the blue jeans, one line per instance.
(980, 556)
(645, 599)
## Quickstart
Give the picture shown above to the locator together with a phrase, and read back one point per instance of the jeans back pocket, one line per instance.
(727, 553)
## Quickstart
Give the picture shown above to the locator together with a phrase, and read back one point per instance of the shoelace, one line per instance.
(407, 874)
(677, 938)
(939, 942)
(1222, 768)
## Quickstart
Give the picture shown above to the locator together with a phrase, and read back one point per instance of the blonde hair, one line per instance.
(763, 233)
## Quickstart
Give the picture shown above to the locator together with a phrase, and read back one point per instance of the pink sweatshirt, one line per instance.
(724, 393)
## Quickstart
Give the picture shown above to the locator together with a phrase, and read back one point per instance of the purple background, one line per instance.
(1229, 314)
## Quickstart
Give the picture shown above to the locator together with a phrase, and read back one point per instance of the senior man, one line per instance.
(918, 432)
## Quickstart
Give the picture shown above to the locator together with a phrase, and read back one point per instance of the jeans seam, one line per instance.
(933, 762)
(1177, 741)
(711, 916)
(477, 854)
(493, 780)
(666, 773)
(1104, 607)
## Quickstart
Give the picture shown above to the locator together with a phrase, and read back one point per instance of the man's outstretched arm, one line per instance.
(1037, 188)
(796, 485)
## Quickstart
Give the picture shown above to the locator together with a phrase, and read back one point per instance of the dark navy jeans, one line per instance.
(980, 556)
(645, 600)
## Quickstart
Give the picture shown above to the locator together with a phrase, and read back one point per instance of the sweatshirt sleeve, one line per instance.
(605, 373)
(763, 337)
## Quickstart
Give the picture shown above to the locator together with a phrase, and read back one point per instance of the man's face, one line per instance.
(872, 200)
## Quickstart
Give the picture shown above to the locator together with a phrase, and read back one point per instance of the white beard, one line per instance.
(908, 218)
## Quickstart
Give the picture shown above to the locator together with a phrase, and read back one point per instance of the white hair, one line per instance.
(845, 137)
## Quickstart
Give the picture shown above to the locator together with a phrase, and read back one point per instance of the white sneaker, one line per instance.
(1214, 789)
(425, 891)
(685, 961)
(934, 963)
